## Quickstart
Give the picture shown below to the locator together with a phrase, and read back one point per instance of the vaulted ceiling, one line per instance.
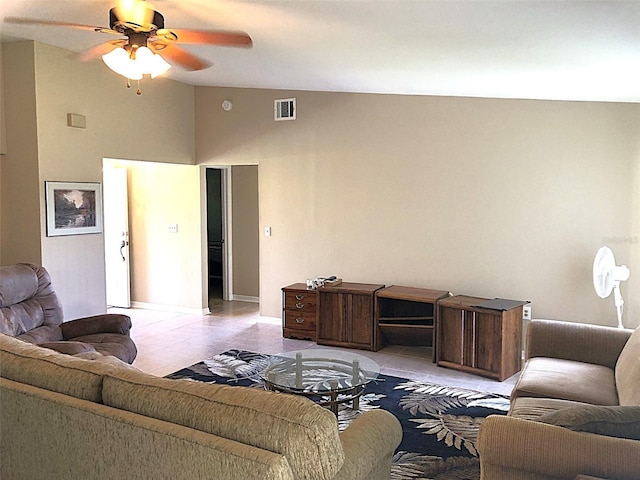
(563, 50)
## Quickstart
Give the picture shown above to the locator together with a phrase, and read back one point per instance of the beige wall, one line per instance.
(631, 291)
(3, 125)
(20, 186)
(155, 126)
(488, 197)
(245, 228)
(497, 198)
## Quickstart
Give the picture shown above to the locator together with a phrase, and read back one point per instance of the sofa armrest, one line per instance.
(580, 342)
(513, 448)
(369, 443)
(106, 323)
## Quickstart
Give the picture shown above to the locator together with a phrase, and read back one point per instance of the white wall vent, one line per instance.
(284, 109)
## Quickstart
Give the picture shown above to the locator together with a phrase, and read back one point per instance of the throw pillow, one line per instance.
(620, 422)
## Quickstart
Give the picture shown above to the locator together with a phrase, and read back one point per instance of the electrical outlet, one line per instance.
(526, 313)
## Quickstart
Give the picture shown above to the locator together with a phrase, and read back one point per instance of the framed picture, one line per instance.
(73, 208)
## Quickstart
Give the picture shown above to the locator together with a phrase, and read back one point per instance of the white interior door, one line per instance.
(116, 236)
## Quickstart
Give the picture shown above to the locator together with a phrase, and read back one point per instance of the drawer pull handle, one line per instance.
(299, 297)
(299, 305)
(299, 320)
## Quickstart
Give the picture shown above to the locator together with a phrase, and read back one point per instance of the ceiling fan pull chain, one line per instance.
(128, 83)
(139, 92)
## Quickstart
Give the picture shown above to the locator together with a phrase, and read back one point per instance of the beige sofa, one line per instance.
(65, 417)
(575, 410)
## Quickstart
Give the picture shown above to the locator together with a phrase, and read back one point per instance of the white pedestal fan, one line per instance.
(607, 277)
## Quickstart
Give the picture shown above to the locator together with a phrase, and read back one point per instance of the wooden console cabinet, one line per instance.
(299, 312)
(407, 316)
(345, 315)
(477, 340)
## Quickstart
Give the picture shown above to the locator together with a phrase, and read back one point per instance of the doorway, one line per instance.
(215, 234)
(233, 233)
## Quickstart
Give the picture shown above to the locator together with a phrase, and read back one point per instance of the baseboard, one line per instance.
(171, 308)
(245, 298)
(271, 320)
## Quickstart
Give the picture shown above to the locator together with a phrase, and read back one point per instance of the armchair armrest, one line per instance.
(369, 442)
(513, 448)
(580, 342)
(106, 323)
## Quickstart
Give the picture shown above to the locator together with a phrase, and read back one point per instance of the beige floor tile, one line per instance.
(168, 342)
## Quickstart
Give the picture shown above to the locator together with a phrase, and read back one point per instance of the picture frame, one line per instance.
(73, 208)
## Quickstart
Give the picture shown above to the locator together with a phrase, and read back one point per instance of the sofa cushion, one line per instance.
(621, 422)
(567, 380)
(115, 344)
(70, 348)
(26, 363)
(305, 433)
(628, 371)
(46, 435)
(531, 408)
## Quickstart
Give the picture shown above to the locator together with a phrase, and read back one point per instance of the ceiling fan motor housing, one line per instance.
(121, 25)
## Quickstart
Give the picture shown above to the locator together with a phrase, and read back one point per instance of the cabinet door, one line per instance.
(450, 333)
(360, 319)
(488, 342)
(331, 325)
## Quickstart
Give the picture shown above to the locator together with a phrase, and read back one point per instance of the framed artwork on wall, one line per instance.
(73, 208)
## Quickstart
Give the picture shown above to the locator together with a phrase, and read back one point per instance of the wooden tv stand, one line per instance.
(407, 316)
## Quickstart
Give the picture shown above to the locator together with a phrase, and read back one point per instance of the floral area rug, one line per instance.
(440, 424)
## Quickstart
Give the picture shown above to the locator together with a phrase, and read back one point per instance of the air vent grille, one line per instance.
(284, 109)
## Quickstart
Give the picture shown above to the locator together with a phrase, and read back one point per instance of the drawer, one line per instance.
(300, 301)
(300, 321)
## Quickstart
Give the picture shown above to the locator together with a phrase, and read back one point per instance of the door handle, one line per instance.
(122, 245)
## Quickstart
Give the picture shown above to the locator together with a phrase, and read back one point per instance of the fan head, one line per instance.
(606, 273)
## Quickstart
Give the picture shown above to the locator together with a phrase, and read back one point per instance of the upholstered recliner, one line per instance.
(30, 311)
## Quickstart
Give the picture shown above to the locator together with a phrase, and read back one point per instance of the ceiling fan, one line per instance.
(145, 43)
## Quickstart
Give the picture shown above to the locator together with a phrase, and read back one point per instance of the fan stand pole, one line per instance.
(619, 302)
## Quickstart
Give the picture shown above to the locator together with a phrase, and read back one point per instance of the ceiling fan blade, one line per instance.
(30, 21)
(174, 54)
(209, 37)
(100, 50)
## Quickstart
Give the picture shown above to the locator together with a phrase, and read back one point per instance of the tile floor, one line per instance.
(169, 341)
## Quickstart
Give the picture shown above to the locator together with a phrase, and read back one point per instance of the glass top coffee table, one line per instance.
(330, 377)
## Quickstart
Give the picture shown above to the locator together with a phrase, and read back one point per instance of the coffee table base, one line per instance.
(334, 398)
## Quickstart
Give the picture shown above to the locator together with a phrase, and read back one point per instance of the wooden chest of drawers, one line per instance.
(299, 312)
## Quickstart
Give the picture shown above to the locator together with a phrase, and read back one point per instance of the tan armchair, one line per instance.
(575, 410)
(30, 311)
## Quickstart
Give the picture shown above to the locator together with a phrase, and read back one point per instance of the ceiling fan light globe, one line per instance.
(158, 66)
(118, 60)
(149, 63)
